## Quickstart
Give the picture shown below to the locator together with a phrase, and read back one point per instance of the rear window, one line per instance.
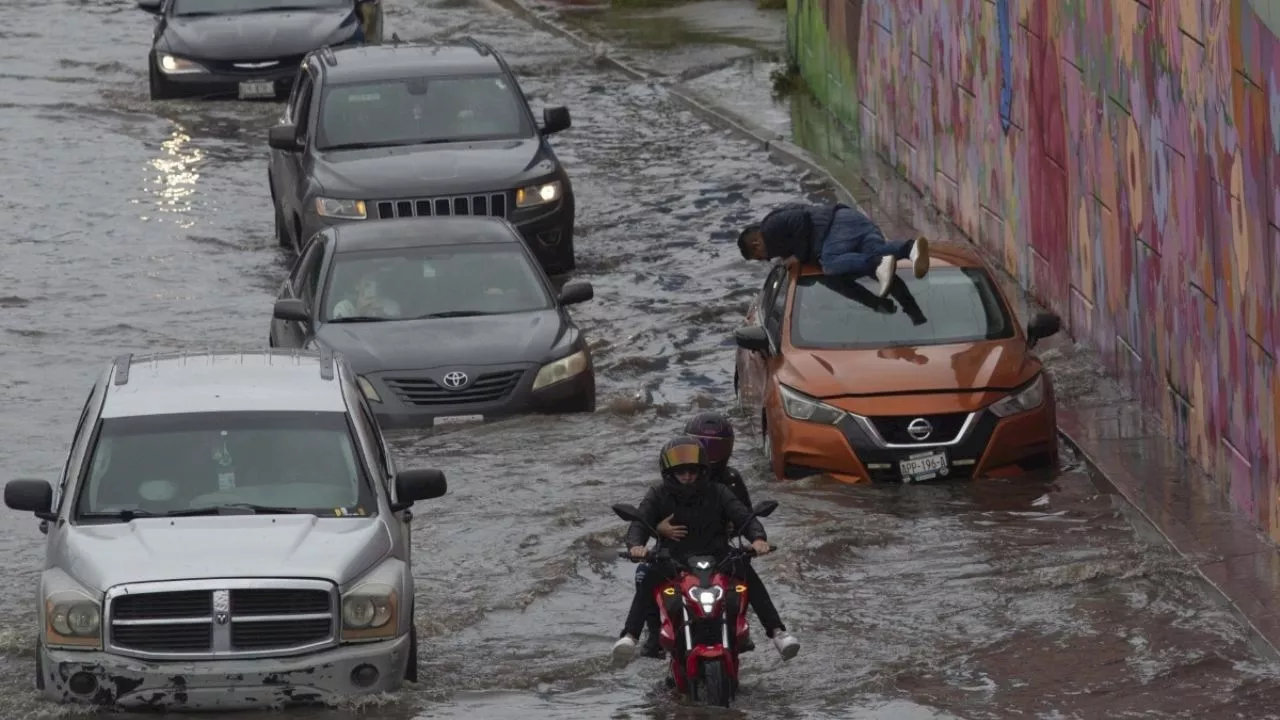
(949, 305)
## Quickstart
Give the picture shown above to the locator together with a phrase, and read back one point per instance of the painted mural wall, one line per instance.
(1122, 157)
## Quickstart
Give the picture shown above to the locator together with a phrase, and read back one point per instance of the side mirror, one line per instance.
(765, 508)
(291, 309)
(576, 291)
(151, 6)
(284, 137)
(33, 496)
(751, 338)
(1043, 325)
(630, 513)
(555, 119)
(415, 485)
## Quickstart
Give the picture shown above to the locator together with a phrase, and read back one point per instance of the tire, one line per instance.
(411, 670)
(282, 230)
(717, 688)
(156, 84)
(39, 668)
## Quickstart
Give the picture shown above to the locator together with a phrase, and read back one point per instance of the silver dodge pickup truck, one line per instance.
(228, 532)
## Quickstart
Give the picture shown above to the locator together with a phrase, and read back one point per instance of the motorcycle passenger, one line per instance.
(688, 499)
(715, 432)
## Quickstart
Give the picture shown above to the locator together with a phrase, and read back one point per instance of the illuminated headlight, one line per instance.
(799, 406)
(706, 597)
(73, 620)
(174, 65)
(561, 369)
(368, 613)
(341, 209)
(366, 387)
(538, 194)
(1028, 398)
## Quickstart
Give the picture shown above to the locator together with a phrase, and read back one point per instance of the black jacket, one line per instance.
(732, 479)
(797, 230)
(706, 518)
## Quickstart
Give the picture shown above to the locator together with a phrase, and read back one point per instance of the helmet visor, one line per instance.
(718, 449)
(688, 454)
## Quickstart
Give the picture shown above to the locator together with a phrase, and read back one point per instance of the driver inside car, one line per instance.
(686, 497)
(365, 301)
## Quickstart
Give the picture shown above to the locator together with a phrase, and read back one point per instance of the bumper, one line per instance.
(990, 447)
(97, 678)
(216, 85)
(576, 394)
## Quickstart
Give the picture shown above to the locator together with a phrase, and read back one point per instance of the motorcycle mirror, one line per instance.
(765, 508)
(627, 512)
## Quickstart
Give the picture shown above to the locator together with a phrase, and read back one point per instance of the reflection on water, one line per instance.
(175, 184)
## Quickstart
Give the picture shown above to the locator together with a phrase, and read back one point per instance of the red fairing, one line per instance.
(668, 638)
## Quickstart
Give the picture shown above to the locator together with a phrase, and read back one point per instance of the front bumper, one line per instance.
(397, 410)
(232, 684)
(990, 447)
(227, 85)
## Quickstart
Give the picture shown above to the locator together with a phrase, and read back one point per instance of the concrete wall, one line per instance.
(1122, 157)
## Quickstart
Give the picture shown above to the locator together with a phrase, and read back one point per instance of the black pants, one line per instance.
(643, 606)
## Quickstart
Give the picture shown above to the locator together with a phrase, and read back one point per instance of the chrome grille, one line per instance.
(493, 204)
(254, 67)
(220, 618)
(490, 387)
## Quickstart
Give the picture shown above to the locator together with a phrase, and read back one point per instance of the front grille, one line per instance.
(490, 387)
(894, 428)
(235, 67)
(153, 621)
(492, 204)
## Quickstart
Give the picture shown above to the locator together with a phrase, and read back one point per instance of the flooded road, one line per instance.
(136, 226)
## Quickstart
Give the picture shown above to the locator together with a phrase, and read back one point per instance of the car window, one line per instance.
(777, 304)
(384, 467)
(302, 118)
(419, 110)
(441, 280)
(191, 8)
(307, 277)
(301, 93)
(75, 451)
(167, 463)
(949, 305)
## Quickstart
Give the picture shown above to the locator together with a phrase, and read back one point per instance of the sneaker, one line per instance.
(884, 273)
(787, 645)
(651, 648)
(920, 256)
(747, 645)
(623, 651)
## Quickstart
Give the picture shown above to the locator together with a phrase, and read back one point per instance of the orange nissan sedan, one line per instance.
(935, 380)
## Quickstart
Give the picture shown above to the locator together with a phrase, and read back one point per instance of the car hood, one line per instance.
(984, 366)
(151, 549)
(424, 170)
(423, 344)
(257, 36)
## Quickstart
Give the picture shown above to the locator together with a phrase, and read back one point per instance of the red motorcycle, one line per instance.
(703, 614)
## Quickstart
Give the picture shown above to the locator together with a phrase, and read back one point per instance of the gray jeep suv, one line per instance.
(229, 532)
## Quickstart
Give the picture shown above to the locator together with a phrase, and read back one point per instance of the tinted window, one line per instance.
(167, 463)
(954, 305)
(414, 111)
(222, 7)
(423, 281)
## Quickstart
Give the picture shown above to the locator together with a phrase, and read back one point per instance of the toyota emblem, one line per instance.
(920, 429)
(455, 379)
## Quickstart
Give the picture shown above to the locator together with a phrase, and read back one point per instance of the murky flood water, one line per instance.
(135, 226)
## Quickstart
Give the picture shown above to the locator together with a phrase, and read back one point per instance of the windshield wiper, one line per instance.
(281, 8)
(385, 144)
(453, 313)
(128, 515)
(360, 318)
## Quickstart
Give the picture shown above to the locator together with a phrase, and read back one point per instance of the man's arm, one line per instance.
(738, 514)
(637, 533)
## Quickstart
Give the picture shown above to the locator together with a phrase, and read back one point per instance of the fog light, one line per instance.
(82, 683)
(364, 676)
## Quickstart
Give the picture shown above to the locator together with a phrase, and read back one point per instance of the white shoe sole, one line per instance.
(622, 655)
(920, 257)
(884, 273)
(789, 651)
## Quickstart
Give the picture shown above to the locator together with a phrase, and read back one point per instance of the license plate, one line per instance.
(923, 466)
(457, 419)
(261, 89)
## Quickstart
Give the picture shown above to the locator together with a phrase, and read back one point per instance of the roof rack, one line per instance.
(480, 47)
(326, 53)
(326, 364)
(122, 368)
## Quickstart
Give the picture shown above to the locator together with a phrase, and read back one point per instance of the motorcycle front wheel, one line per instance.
(717, 688)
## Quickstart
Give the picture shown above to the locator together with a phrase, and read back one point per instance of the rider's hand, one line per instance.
(669, 531)
(760, 546)
(639, 551)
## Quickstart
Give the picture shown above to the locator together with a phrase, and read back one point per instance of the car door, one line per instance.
(751, 365)
(287, 165)
(303, 284)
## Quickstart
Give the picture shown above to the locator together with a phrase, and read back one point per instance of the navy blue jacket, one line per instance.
(797, 230)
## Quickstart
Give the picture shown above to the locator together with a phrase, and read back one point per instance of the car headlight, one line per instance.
(706, 597)
(799, 406)
(174, 65)
(1028, 398)
(538, 194)
(342, 209)
(73, 620)
(561, 369)
(369, 612)
(367, 388)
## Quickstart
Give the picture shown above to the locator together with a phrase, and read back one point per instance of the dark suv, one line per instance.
(410, 130)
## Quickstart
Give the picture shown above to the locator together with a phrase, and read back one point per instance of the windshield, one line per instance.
(230, 7)
(420, 110)
(949, 305)
(418, 282)
(162, 464)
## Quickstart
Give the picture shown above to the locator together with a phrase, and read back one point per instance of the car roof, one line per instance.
(363, 63)
(223, 381)
(942, 254)
(439, 231)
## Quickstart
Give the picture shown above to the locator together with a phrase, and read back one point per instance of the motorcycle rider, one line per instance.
(715, 432)
(687, 498)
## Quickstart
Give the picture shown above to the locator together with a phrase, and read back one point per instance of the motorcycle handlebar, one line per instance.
(651, 555)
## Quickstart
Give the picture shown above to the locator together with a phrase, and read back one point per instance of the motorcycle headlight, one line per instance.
(174, 65)
(369, 613)
(538, 194)
(340, 209)
(73, 620)
(706, 597)
(562, 369)
(799, 406)
(1027, 398)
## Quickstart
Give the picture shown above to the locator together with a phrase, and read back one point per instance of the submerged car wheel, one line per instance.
(39, 668)
(282, 230)
(411, 670)
(159, 89)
